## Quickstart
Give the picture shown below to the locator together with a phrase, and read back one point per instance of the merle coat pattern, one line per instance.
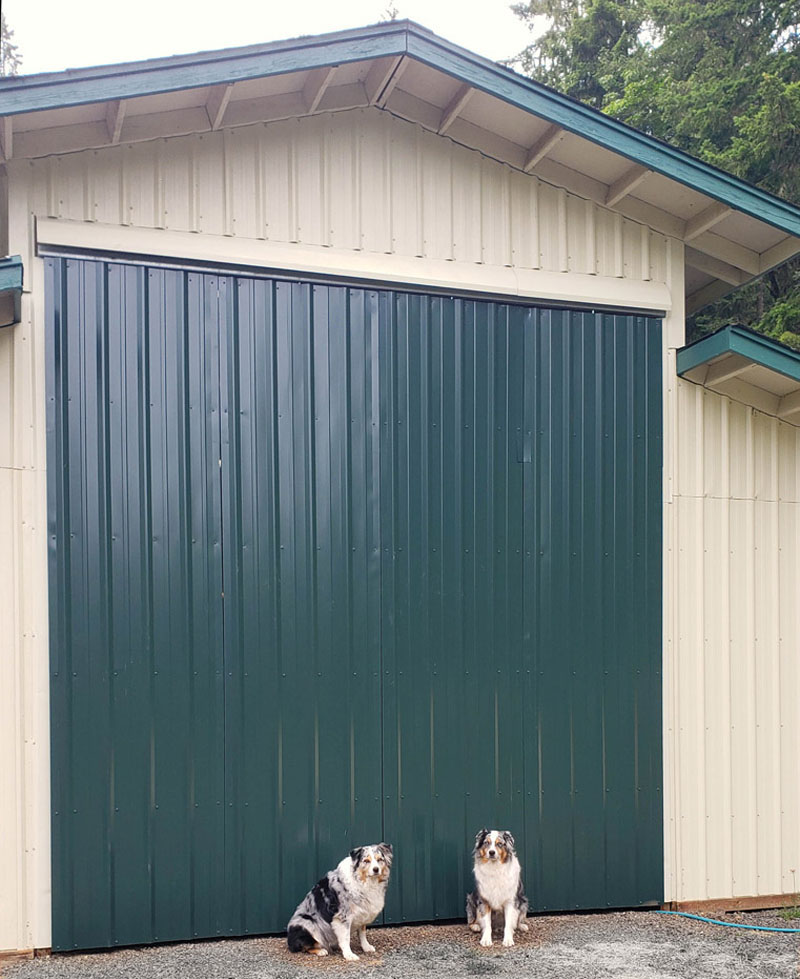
(343, 902)
(498, 887)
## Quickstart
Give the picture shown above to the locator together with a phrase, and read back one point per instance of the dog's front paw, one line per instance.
(321, 951)
(367, 947)
(508, 941)
(475, 927)
(522, 926)
(350, 956)
(486, 941)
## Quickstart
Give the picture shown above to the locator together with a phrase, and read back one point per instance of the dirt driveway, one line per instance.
(627, 945)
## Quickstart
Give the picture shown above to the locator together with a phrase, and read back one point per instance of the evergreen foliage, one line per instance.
(10, 59)
(717, 78)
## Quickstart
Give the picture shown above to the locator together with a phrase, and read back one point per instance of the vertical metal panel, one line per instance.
(733, 723)
(466, 192)
(316, 558)
(7, 433)
(339, 156)
(11, 655)
(23, 708)
(438, 207)
(524, 221)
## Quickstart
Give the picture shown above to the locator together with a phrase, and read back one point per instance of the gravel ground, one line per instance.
(624, 945)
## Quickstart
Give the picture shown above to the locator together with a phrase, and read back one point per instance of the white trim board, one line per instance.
(565, 288)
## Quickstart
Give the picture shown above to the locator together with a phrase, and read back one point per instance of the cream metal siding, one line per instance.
(359, 180)
(733, 620)
(24, 711)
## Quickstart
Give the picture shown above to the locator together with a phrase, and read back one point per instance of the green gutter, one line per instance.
(391, 39)
(739, 340)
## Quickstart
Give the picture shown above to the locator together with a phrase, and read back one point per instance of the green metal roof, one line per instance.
(392, 39)
(755, 347)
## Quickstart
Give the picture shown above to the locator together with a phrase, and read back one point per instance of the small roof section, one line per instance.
(733, 231)
(10, 290)
(748, 367)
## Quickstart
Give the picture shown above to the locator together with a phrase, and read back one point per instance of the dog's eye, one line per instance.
(500, 843)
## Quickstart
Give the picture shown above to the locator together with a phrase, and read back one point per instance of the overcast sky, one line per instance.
(55, 34)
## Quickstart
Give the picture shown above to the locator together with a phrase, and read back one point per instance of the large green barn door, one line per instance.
(521, 609)
(332, 564)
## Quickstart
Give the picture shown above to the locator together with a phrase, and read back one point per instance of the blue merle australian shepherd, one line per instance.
(498, 887)
(345, 901)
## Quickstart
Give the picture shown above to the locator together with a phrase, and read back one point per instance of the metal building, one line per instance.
(356, 483)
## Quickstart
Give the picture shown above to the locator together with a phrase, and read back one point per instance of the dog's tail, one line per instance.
(299, 939)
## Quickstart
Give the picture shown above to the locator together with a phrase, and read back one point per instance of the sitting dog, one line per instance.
(498, 887)
(346, 899)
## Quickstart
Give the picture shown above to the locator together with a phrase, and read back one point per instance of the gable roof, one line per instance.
(733, 230)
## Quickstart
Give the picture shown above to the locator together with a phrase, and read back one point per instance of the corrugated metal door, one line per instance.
(521, 599)
(334, 564)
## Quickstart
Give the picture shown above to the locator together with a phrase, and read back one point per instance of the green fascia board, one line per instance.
(11, 274)
(393, 38)
(755, 347)
(11, 283)
(83, 86)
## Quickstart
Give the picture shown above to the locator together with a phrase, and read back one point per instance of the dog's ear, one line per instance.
(356, 854)
(480, 838)
(387, 851)
(509, 840)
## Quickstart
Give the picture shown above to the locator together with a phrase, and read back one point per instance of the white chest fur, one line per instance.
(497, 883)
(367, 897)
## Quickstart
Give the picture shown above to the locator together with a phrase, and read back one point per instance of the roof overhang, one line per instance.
(10, 290)
(747, 367)
(733, 231)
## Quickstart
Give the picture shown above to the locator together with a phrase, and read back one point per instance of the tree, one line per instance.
(586, 47)
(718, 78)
(390, 13)
(10, 60)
